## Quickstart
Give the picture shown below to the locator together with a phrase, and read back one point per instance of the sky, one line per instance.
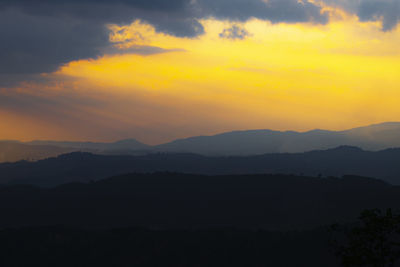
(158, 70)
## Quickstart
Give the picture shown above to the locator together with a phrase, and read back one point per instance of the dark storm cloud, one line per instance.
(386, 11)
(156, 12)
(39, 36)
(272, 10)
(145, 4)
(32, 44)
(235, 32)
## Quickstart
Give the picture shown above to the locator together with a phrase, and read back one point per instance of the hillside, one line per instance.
(167, 200)
(84, 167)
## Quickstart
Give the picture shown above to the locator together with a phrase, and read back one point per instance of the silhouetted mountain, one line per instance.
(12, 151)
(83, 167)
(168, 200)
(254, 142)
(374, 137)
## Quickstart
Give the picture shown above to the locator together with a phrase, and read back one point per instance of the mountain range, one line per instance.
(252, 142)
(86, 167)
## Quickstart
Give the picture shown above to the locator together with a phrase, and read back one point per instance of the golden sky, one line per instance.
(156, 87)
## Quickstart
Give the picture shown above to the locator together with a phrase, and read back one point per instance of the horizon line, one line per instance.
(197, 136)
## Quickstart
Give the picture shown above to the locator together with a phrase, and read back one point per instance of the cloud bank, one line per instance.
(40, 36)
(386, 11)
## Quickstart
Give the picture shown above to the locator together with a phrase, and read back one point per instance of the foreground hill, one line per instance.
(66, 247)
(167, 200)
(84, 167)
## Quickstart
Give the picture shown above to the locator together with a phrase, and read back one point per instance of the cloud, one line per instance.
(386, 11)
(273, 10)
(234, 33)
(143, 50)
(40, 36)
(36, 44)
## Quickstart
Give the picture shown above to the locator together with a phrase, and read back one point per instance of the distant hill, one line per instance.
(239, 143)
(374, 137)
(168, 200)
(84, 167)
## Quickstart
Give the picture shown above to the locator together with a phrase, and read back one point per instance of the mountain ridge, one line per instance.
(84, 166)
(374, 137)
(273, 202)
(235, 143)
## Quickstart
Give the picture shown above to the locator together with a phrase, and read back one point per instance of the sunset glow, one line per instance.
(155, 87)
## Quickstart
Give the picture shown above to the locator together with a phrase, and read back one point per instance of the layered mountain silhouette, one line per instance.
(58, 202)
(253, 142)
(84, 167)
(169, 200)
(374, 137)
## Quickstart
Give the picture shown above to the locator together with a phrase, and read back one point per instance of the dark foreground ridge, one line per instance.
(85, 167)
(62, 247)
(181, 201)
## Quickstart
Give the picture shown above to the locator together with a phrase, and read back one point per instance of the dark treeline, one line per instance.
(180, 201)
(83, 167)
(57, 246)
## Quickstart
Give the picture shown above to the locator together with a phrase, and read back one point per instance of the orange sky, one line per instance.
(282, 76)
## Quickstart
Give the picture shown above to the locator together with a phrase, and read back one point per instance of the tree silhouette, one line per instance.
(374, 241)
